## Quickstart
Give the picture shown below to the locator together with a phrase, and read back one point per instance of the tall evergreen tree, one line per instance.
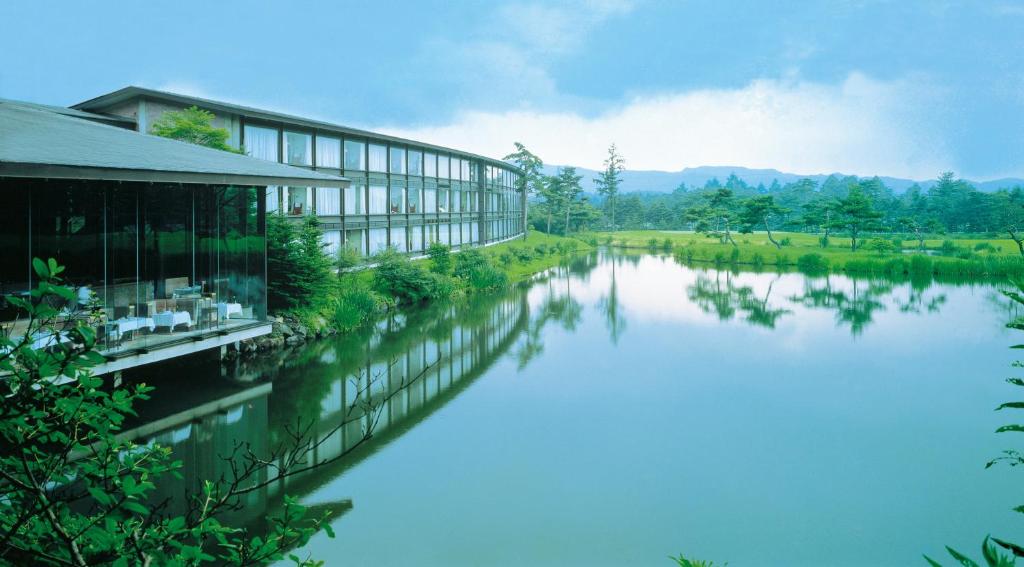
(610, 180)
(532, 177)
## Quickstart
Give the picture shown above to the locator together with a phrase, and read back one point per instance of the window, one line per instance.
(397, 199)
(328, 201)
(442, 200)
(298, 200)
(430, 165)
(430, 200)
(414, 200)
(298, 148)
(355, 155)
(415, 238)
(397, 164)
(398, 239)
(356, 240)
(354, 197)
(467, 237)
(442, 167)
(328, 152)
(455, 169)
(273, 203)
(468, 172)
(444, 236)
(378, 199)
(415, 162)
(261, 142)
(332, 242)
(378, 158)
(456, 201)
(456, 237)
(378, 239)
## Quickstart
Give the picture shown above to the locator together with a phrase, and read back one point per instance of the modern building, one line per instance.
(404, 194)
(164, 240)
(167, 239)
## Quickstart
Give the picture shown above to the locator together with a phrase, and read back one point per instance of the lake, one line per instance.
(624, 408)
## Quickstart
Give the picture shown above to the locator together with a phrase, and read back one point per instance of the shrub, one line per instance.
(948, 248)
(355, 305)
(298, 268)
(719, 258)
(787, 241)
(505, 258)
(398, 277)
(984, 247)
(812, 263)
(781, 260)
(652, 243)
(667, 245)
(440, 258)
(734, 256)
(348, 257)
(920, 264)
(879, 245)
(541, 249)
(823, 241)
(897, 244)
(758, 260)
(592, 241)
(689, 255)
(472, 267)
(523, 254)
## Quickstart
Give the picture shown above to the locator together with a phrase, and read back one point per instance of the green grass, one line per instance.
(998, 258)
(523, 267)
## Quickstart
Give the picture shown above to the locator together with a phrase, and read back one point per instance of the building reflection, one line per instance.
(353, 395)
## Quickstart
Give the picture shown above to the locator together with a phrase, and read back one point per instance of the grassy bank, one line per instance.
(949, 257)
(359, 295)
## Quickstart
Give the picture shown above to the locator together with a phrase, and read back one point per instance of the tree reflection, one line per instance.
(856, 308)
(612, 310)
(721, 296)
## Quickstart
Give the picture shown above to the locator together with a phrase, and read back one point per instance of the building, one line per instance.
(164, 239)
(404, 194)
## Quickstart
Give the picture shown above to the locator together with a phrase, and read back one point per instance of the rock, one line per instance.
(294, 340)
(302, 331)
(283, 329)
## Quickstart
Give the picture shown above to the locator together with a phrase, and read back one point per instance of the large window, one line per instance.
(332, 242)
(328, 201)
(355, 155)
(260, 142)
(328, 152)
(378, 199)
(378, 240)
(415, 162)
(298, 200)
(430, 165)
(442, 200)
(430, 200)
(456, 201)
(378, 158)
(398, 239)
(414, 200)
(467, 171)
(355, 195)
(415, 238)
(397, 204)
(273, 203)
(298, 148)
(397, 162)
(442, 167)
(356, 240)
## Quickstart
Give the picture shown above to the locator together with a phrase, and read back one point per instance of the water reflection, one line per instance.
(565, 335)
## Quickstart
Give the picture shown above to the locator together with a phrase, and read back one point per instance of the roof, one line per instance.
(130, 92)
(36, 141)
(111, 119)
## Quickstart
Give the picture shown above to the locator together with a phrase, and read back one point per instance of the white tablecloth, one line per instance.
(226, 310)
(172, 319)
(129, 324)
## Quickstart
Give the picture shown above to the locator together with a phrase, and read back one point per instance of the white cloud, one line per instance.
(859, 125)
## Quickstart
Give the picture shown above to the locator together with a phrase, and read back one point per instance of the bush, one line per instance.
(505, 258)
(757, 260)
(652, 243)
(440, 258)
(734, 256)
(948, 248)
(787, 241)
(667, 245)
(812, 263)
(823, 241)
(781, 260)
(354, 306)
(920, 264)
(719, 258)
(541, 249)
(298, 268)
(523, 254)
(348, 257)
(472, 267)
(897, 244)
(398, 277)
(689, 255)
(879, 245)
(984, 247)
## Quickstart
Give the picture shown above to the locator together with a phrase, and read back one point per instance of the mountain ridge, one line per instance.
(654, 181)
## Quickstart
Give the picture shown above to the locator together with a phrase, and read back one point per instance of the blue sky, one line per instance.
(894, 88)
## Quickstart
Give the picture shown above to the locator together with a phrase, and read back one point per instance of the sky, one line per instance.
(901, 88)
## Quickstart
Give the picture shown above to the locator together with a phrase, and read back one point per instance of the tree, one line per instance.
(1009, 212)
(440, 258)
(610, 180)
(760, 211)
(855, 214)
(919, 227)
(818, 214)
(195, 126)
(568, 191)
(715, 215)
(72, 492)
(532, 175)
(298, 267)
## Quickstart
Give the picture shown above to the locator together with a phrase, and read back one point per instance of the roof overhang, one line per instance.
(52, 171)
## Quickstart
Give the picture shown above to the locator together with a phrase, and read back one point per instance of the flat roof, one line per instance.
(130, 92)
(37, 141)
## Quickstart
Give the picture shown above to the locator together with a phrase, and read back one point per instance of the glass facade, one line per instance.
(156, 262)
(448, 197)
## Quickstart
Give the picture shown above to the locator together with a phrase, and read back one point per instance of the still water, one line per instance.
(624, 408)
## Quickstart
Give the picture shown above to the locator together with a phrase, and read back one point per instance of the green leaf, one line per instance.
(963, 559)
(1013, 427)
(40, 267)
(932, 562)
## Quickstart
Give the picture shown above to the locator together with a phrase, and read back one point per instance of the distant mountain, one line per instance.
(667, 181)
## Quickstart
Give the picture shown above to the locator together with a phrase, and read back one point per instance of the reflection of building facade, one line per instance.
(404, 194)
(164, 240)
(405, 369)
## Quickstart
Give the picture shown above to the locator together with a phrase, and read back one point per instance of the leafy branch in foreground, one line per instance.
(74, 492)
(990, 548)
